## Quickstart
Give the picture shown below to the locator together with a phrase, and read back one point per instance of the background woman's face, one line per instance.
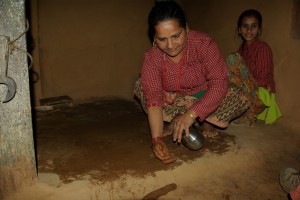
(170, 37)
(249, 29)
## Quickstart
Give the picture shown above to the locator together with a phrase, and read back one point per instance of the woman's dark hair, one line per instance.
(250, 13)
(165, 10)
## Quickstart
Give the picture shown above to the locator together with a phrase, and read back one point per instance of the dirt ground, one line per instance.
(101, 151)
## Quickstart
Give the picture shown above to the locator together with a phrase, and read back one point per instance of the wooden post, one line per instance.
(296, 19)
(17, 155)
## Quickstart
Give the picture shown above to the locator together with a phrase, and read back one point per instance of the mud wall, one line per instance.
(91, 49)
(88, 49)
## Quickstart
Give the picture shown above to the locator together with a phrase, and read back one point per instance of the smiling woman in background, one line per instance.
(259, 60)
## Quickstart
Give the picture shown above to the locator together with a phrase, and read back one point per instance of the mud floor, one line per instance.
(101, 150)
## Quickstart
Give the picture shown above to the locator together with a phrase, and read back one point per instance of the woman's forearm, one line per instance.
(155, 118)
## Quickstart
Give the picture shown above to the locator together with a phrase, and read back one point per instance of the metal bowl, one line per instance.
(195, 140)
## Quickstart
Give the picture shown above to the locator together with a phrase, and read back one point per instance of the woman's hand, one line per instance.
(183, 122)
(162, 153)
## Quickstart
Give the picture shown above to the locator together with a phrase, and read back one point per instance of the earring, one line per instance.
(154, 43)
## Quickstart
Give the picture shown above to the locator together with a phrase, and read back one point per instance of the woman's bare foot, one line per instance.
(242, 119)
(168, 130)
(209, 131)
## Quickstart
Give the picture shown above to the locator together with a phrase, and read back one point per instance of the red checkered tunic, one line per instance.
(259, 58)
(295, 194)
(203, 68)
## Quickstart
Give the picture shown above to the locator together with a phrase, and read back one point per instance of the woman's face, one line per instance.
(170, 37)
(249, 29)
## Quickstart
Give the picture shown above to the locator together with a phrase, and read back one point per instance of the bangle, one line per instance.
(191, 115)
(157, 139)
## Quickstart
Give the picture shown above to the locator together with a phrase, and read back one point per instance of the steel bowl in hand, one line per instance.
(195, 140)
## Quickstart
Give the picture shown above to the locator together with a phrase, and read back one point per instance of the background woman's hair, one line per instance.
(250, 13)
(165, 10)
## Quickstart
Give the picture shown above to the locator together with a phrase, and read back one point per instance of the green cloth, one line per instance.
(199, 94)
(272, 112)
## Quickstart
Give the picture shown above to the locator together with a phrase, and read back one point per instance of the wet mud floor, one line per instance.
(106, 139)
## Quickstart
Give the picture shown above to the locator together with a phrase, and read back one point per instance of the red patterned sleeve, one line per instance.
(265, 64)
(295, 194)
(151, 79)
(217, 77)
